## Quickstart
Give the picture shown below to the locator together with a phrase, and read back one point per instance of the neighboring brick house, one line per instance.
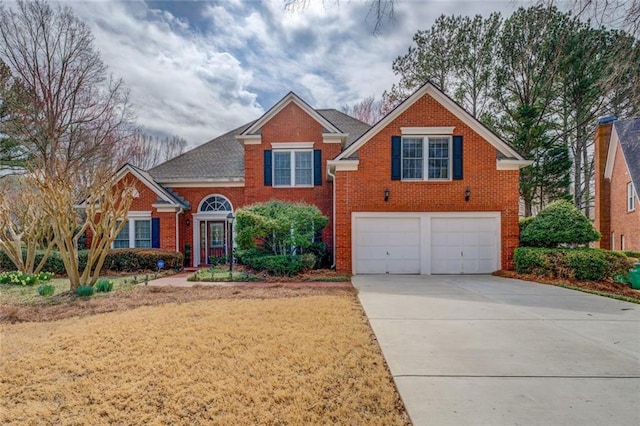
(617, 170)
(428, 189)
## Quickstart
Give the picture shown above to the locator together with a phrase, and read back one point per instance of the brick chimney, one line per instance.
(603, 186)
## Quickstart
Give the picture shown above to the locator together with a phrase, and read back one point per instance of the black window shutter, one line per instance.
(155, 232)
(268, 172)
(457, 158)
(396, 155)
(317, 167)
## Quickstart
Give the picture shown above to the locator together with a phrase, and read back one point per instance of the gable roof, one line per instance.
(222, 158)
(290, 98)
(505, 151)
(627, 134)
(164, 195)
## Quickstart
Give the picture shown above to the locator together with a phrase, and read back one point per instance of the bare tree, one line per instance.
(103, 213)
(72, 116)
(369, 110)
(380, 10)
(146, 151)
(24, 227)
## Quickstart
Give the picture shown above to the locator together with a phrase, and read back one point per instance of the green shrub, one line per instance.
(633, 254)
(104, 285)
(133, 260)
(46, 289)
(281, 265)
(217, 260)
(279, 227)
(560, 223)
(321, 253)
(84, 291)
(585, 264)
(588, 265)
(524, 222)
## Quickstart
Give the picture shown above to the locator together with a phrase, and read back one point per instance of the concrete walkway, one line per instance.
(483, 350)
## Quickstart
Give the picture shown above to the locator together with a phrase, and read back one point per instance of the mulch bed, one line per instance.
(609, 287)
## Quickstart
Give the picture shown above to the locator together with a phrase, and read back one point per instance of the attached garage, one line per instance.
(426, 243)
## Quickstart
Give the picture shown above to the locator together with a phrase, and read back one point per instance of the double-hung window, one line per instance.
(293, 168)
(631, 198)
(426, 158)
(136, 233)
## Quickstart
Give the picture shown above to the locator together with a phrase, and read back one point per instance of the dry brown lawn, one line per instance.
(296, 360)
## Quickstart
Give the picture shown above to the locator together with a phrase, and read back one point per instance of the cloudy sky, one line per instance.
(199, 69)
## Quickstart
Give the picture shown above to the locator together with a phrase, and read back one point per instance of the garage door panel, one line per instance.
(464, 245)
(387, 245)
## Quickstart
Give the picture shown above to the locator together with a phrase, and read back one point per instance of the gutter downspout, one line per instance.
(333, 227)
(178, 213)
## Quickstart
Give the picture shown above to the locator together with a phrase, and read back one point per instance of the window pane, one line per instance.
(143, 233)
(412, 158)
(281, 168)
(122, 240)
(438, 158)
(304, 168)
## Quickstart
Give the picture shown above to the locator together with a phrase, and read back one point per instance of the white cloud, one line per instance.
(200, 69)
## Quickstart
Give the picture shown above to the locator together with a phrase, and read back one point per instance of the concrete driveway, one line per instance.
(483, 350)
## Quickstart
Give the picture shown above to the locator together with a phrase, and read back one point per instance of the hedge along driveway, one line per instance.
(297, 361)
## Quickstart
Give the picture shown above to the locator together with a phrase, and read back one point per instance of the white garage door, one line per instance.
(464, 245)
(387, 246)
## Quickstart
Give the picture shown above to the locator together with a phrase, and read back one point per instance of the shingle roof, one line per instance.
(223, 157)
(347, 124)
(220, 158)
(629, 138)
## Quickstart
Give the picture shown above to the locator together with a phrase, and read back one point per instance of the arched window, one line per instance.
(216, 203)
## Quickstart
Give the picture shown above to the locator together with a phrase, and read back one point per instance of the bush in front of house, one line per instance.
(561, 223)
(584, 264)
(285, 265)
(134, 260)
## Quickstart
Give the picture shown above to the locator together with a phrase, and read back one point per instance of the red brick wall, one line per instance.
(602, 186)
(292, 124)
(491, 190)
(623, 222)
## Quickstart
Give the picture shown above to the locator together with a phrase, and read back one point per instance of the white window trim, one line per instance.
(131, 218)
(292, 171)
(631, 197)
(425, 158)
(623, 243)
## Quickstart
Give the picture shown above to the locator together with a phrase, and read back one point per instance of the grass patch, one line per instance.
(302, 360)
(28, 295)
(222, 275)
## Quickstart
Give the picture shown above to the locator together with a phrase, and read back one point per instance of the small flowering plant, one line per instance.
(21, 278)
(104, 285)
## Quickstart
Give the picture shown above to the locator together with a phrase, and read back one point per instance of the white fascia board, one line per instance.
(291, 97)
(343, 165)
(249, 139)
(427, 130)
(334, 137)
(151, 185)
(292, 145)
(509, 164)
(211, 183)
(138, 214)
(163, 208)
(611, 153)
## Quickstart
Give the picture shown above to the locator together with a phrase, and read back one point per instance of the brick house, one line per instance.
(428, 189)
(617, 179)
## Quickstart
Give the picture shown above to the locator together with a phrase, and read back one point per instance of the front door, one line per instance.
(212, 240)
